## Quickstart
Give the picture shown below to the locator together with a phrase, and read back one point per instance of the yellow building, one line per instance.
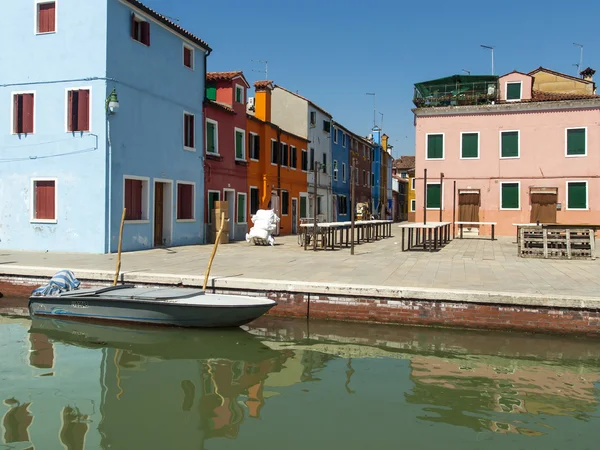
(405, 168)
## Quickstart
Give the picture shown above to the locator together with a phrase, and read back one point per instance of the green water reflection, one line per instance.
(284, 384)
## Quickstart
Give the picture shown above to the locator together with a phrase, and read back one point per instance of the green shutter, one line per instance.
(510, 144)
(470, 145)
(434, 196)
(303, 207)
(576, 141)
(238, 95)
(513, 91)
(212, 198)
(211, 93)
(210, 138)
(241, 208)
(239, 145)
(435, 146)
(510, 195)
(577, 195)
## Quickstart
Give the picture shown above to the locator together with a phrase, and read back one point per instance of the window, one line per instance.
(285, 203)
(254, 200)
(344, 137)
(46, 17)
(241, 208)
(213, 196)
(140, 30)
(188, 131)
(303, 207)
(413, 205)
(240, 144)
(509, 144)
(188, 56)
(469, 145)
(404, 175)
(136, 198)
(334, 132)
(293, 157)
(324, 162)
(412, 184)
(510, 195)
(304, 162)
(211, 92)
(356, 176)
(372, 179)
(23, 113)
(78, 110)
(254, 146)
(312, 160)
(212, 137)
(239, 94)
(326, 126)
(344, 172)
(513, 91)
(335, 170)
(284, 154)
(274, 155)
(185, 201)
(43, 208)
(576, 142)
(577, 195)
(342, 205)
(313, 118)
(435, 146)
(364, 177)
(434, 196)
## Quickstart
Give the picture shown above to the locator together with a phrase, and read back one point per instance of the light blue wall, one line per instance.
(74, 56)
(154, 89)
(341, 155)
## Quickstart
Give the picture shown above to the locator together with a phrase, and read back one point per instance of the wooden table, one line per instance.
(461, 224)
(434, 234)
(366, 231)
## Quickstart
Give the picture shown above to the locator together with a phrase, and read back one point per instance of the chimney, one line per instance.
(377, 135)
(587, 74)
(262, 101)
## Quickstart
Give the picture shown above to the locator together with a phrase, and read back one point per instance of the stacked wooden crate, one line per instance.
(220, 208)
(557, 242)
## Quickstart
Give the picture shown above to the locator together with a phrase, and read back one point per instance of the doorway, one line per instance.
(468, 207)
(543, 205)
(229, 197)
(294, 216)
(275, 207)
(163, 209)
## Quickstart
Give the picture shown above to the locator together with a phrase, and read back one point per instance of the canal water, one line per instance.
(293, 385)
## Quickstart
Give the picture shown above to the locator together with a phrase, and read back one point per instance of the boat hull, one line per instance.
(205, 315)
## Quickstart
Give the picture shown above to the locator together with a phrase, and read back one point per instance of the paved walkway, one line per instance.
(469, 264)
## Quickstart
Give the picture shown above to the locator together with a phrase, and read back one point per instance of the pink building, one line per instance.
(520, 148)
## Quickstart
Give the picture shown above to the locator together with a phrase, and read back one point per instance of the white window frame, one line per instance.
(566, 140)
(235, 131)
(335, 134)
(252, 135)
(413, 205)
(216, 124)
(32, 218)
(235, 91)
(587, 194)
(208, 192)
(185, 147)
(290, 157)
(478, 144)
(307, 160)
(12, 111)
(67, 90)
(443, 146)
(37, 17)
(141, 19)
(145, 198)
(441, 193)
(506, 83)
(510, 182)
(195, 218)
(237, 218)
(189, 47)
(518, 147)
(343, 172)
(335, 170)
(412, 183)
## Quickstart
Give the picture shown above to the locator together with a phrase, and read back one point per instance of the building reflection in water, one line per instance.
(16, 422)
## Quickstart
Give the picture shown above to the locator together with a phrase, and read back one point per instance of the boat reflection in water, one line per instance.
(168, 388)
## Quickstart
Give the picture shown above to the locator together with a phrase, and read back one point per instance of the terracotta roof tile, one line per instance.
(219, 105)
(540, 96)
(263, 85)
(216, 76)
(405, 162)
(170, 24)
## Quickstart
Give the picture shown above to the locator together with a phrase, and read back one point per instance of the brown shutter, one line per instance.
(187, 57)
(191, 131)
(50, 16)
(16, 114)
(44, 200)
(27, 113)
(146, 33)
(70, 111)
(186, 131)
(133, 36)
(83, 110)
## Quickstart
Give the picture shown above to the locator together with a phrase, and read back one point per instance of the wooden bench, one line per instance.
(461, 224)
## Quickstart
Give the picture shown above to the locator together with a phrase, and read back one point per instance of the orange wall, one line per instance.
(264, 175)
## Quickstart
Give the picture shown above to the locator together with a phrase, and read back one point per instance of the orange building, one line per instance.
(278, 165)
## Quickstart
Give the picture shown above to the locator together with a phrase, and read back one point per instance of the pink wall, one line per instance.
(526, 84)
(542, 162)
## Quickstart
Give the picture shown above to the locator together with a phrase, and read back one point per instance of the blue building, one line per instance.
(102, 110)
(376, 164)
(340, 180)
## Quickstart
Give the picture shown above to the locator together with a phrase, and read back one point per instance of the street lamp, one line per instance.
(489, 47)
(112, 102)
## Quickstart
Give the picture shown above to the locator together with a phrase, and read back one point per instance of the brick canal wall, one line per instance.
(478, 310)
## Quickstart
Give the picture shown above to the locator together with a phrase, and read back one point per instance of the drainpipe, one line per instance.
(279, 156)
(203, 159)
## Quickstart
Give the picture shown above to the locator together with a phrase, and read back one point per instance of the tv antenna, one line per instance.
(266, 71)
(580, 55)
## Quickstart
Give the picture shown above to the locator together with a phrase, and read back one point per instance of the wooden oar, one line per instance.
(214, 252)
(120, 245)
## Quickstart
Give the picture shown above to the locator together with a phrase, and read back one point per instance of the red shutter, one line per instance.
(44, 200)
(16, 114)
(27, 113)
(146, 33)
(47, 17)
(133, 199)
(83, 110)
(187, 57)
(70, 110)
(51, 16)
(185, 201)
(133, 27)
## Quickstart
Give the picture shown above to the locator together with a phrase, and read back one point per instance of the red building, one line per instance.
(226, 149)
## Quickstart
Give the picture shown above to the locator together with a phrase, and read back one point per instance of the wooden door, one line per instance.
(158, 214)
(543, 207)
(468, 206)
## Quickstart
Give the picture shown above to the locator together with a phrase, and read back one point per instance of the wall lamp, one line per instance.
(112, 102)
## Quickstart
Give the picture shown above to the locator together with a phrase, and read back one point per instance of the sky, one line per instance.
(335, 52)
